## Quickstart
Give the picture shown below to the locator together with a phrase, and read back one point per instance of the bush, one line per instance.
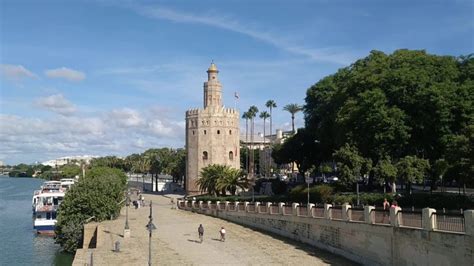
(97, 195)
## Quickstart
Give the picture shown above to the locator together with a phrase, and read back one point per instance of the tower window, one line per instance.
(231, 155)
(218, 132)
(193, 132)
(205, 132)
(204, 155)
(230, 132)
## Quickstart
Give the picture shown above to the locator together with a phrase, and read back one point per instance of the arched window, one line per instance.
(193, 132)
(205, 132)
(218, 132)
(231, 155)
(204, 155)
(230, 132)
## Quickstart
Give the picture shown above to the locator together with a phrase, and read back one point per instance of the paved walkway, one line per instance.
(175, 242)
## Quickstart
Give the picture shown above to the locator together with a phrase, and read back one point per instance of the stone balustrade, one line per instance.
(429, 220)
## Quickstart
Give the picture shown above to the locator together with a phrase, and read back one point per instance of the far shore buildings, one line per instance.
(69, 159)
(212, 133)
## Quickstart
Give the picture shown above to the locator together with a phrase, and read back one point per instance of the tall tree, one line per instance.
(246, 116)
(270, 104)
(412, 169)
(253, 110)
(293, 108)
(265, 115)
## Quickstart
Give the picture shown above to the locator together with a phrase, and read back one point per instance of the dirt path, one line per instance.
(175, 242)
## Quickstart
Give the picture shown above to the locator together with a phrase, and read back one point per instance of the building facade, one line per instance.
(212, 133)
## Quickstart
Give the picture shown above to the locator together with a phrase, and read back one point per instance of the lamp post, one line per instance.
(308, 194)
(127, 204)
(150, 227)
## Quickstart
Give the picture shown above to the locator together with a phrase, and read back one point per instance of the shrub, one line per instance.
(97, 195)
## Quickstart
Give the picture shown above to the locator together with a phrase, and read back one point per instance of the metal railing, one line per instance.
(232, 208)
(410, 219)
(303, 211)
(336, 212)
(251, 207)
(317, 212)
(204, 206)
(287, 210)
(356, 214)
(221, 206)
(262, 209)
(213, 206)
(241, 207)
(274, 209)
(449, 222)
(381, 216)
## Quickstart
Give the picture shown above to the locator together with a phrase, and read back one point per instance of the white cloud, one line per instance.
(56, 103)
(332, 55)
(126, 117)
(65, 73)
(16, 72)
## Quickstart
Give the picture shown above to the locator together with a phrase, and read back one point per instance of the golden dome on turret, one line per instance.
(213, 68)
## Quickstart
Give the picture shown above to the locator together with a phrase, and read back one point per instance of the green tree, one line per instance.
(411, 169)
(293, 108)
(265, 115)
(252, 112)
(231, 179)
(96, 196)
(270, 104)
(386, 172)
(70, 170)
(349, 164)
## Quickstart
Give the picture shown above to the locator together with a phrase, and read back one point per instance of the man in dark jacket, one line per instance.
(201, 232)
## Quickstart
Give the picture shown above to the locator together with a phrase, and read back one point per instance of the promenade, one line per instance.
(175, 242)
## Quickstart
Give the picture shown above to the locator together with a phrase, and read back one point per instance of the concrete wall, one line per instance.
(367, 243)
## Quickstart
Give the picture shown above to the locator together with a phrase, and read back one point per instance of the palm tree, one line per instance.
(246, 116)
(264, 115)
(293, 108)
(253, 110)
(270, 105)
(210, 176)
(231, 180)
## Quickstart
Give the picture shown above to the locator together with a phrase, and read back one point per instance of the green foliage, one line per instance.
(349, 164)
(408, 103)
(217, 179)
(293, 108)
(386, 171)
(412, 169)
(70, 170)
(317, 194)
(97, 195)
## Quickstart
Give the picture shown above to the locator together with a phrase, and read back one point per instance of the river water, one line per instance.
(19, 244)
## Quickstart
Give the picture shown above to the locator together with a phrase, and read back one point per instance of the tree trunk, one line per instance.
(264, 151)
(251, 163)
(293, 123)
(247, 144)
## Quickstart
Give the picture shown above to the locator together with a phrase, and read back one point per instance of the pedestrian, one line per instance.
(394, 204)
(142, 199)
(386, 209)
(222, 231)
(201, 232)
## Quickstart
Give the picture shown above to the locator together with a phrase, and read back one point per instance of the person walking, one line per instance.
(222, 231)
(386, 209)
(201, 232)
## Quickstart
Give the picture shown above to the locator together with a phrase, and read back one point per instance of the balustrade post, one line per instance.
(246, 203)
(200, 204)
(281, 207)
(327, 211)
(209, 205)
(192, 204)
(346, 216)
(428, 219)
(310, 209)
(257, 203)
(368, 216)
(226, 208)
(218, 205)
(394, 216)
(269, 207)
(236, 203)
(469, 222)
(295, 210)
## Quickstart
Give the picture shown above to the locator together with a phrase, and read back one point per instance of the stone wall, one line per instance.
(361, 241)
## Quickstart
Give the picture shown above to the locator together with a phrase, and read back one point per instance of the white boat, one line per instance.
(66, 183)
(47, 204)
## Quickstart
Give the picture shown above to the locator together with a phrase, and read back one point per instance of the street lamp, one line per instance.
(127, 204)
(150, 227)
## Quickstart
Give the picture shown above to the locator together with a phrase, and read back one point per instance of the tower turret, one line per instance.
(212, 88)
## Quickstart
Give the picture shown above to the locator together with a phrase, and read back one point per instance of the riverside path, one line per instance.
(175, 242)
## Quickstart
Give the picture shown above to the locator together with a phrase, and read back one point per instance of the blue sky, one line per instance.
(115, 77)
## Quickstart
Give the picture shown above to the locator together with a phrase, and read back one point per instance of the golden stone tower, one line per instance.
(212, 133)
